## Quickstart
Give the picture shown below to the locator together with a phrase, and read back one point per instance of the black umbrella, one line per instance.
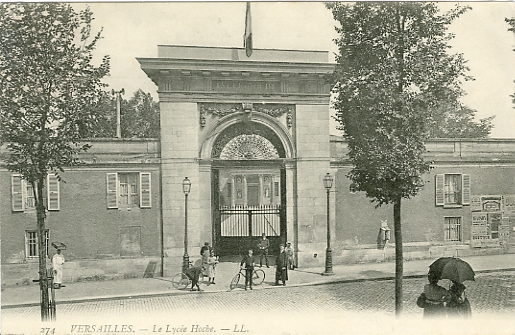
(452, 268)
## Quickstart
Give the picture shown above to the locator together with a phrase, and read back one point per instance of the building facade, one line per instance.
(252, 136)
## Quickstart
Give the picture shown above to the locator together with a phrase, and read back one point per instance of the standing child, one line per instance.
(289, 255)
(248, 263)
(211, 266)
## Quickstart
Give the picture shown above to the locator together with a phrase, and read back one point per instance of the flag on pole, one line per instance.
(247, 38)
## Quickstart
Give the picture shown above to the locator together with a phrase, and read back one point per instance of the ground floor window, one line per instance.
(31, 243)
(452, 229)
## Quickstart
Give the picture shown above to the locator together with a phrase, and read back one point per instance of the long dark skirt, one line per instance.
(281, 275)
(458, 310)
(434, 310)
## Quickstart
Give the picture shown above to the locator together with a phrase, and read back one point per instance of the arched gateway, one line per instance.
(248, 152)
(251, 133)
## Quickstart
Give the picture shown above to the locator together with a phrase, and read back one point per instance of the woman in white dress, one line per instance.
(57, 266)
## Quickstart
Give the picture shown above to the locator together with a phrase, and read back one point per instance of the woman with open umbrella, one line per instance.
(457, 271)
(433, 298)
(459, 305)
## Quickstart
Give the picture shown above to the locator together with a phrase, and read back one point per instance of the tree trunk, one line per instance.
(43, 278)
(398, 256)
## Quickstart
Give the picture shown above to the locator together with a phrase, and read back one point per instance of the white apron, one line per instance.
(57, 265)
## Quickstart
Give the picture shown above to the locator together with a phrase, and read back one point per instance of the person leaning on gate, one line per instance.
(263, 246)
(248, 263)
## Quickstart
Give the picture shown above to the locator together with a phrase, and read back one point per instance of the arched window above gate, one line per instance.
(248, 141)
(249, 146)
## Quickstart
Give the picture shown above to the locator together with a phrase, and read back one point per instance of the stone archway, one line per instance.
(248, 178)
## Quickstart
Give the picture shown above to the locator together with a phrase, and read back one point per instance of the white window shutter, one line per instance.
(465, 189)
(112, 190)
(53, 196)
(144, 189)
(18, 204)
(439, 189)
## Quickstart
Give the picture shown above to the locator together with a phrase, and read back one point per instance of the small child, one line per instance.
(211, 266)
(248, 261)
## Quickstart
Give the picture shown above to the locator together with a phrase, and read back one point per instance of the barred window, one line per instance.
(452, 229)
(31, 243)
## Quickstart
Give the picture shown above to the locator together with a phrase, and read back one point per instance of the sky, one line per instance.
(135, 29)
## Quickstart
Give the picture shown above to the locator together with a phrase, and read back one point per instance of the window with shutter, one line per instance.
(145, 185)
(439, 185)
(112, 190)
(18, 204)
(53, 193)
(465, 184)
(452, 190)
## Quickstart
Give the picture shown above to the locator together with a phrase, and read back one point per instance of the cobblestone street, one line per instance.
(492, 294)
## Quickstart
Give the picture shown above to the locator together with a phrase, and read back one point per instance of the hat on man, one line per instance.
(263, 234)
(288, 242)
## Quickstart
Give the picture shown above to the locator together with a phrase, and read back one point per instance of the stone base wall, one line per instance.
(313, 254)
(81, 270)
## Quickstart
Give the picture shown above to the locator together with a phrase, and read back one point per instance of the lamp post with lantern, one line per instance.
(186, 187)
(328, 184)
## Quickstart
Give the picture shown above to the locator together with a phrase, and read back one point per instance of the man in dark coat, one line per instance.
(248, 263)
(263, 246)
(281, 266)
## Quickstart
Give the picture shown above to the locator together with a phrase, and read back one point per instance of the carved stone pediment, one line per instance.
(220, 110)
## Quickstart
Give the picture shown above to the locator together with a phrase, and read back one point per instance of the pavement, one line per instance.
(24, 296)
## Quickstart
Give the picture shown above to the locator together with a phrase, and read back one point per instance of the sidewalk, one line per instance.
(149, 287)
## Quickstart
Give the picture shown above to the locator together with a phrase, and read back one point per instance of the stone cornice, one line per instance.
(158, 66)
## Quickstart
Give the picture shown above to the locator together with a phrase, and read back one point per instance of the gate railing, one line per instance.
(243, 220)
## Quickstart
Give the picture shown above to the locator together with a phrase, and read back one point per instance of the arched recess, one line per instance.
(246, 153)
(246, 123)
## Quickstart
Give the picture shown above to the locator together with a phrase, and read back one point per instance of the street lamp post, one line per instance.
(186, 186)
(328, 183)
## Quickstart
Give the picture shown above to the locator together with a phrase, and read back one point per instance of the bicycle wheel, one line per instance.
(258, 277)
(180, 281)
(234, 281)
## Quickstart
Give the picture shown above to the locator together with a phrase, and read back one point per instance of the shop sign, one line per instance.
(509, 204)
(475, 203)
(491, 203)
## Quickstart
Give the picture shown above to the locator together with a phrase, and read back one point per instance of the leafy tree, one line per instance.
(47, 82)
(511, 22)
(392, 70)
(101, 117)
(139, 117)
(457, 121)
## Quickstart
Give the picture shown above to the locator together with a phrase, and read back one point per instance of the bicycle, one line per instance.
(181, 281)
(258, 276)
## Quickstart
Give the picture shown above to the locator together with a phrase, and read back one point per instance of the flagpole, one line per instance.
(247, 37)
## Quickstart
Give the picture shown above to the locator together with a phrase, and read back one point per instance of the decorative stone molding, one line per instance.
(220, 110)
